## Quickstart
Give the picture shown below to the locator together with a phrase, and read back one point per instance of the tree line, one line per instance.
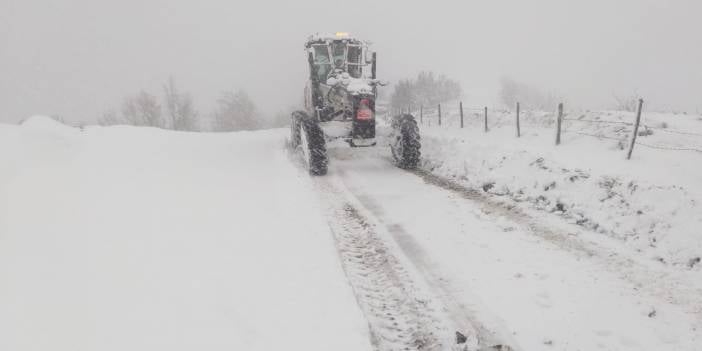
(175, 110)
(427, 89)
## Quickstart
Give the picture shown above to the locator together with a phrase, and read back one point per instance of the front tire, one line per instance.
(307, 136)
(405, 143)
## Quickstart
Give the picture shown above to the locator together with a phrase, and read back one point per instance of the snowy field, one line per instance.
(142, 239)
(651, 202)
(128, 238)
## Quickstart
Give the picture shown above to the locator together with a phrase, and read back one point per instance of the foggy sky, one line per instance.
(79, 58)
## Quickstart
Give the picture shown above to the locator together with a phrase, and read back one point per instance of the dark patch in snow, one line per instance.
(645, 132)
(608, 184)
(488, 186)
(460, 338)
(539, 162)
(652, 313)
(632, 187)
(659, 259)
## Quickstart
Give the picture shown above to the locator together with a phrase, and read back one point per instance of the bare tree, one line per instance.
(110, 118)
(236, 111)
(626, 103)
(508, 92)
(142, 110)
(427, 89)
(447, 89)
(59, 118)
(512, 92)
(179, 108)
(403, 95)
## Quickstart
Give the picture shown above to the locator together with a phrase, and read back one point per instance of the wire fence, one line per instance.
(622, 131)
(598, 136)
(625, 138)
(598, 121)
(672, 148)
(673, 131)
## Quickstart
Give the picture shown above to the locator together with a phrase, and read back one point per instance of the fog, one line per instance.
(79, 58)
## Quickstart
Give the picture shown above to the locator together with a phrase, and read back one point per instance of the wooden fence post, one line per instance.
(558, 123)
(486, 128)
(460, 105)
(518, 131)
(636, 130)
(439, 115)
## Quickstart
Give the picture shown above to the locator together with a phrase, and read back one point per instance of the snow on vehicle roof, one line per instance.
(328, 37)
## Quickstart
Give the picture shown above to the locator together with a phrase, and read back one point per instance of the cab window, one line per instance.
(354, 61)
(322, 61)
(339, 53)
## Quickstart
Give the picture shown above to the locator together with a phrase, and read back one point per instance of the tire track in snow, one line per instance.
(462, 317)
(400, 315)
(456, 314)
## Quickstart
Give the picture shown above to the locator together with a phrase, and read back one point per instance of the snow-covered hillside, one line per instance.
(127, 238)
(653, 202)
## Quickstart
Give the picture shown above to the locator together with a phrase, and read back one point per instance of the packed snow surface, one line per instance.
(126, 238)
(136, 238)
(525, 280)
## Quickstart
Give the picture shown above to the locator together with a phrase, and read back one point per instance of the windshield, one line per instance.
(321, 59)
(338, 55)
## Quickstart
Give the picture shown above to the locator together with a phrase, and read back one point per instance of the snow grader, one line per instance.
(340, 97)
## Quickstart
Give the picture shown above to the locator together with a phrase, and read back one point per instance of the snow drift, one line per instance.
(123, 238)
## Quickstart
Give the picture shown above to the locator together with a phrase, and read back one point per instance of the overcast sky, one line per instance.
(78, 58)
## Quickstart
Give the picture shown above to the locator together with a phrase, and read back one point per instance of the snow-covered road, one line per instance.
(513, 277)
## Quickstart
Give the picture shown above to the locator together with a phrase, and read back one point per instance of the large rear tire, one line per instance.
(307, 136)
(405, 142)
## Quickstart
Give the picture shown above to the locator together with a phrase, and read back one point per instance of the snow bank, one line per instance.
(652, 202)
(127, 238)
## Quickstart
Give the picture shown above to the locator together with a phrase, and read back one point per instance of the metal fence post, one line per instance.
(558, 123)
(486, 128)
(518, 131)
(460, 105)
(636, 130)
